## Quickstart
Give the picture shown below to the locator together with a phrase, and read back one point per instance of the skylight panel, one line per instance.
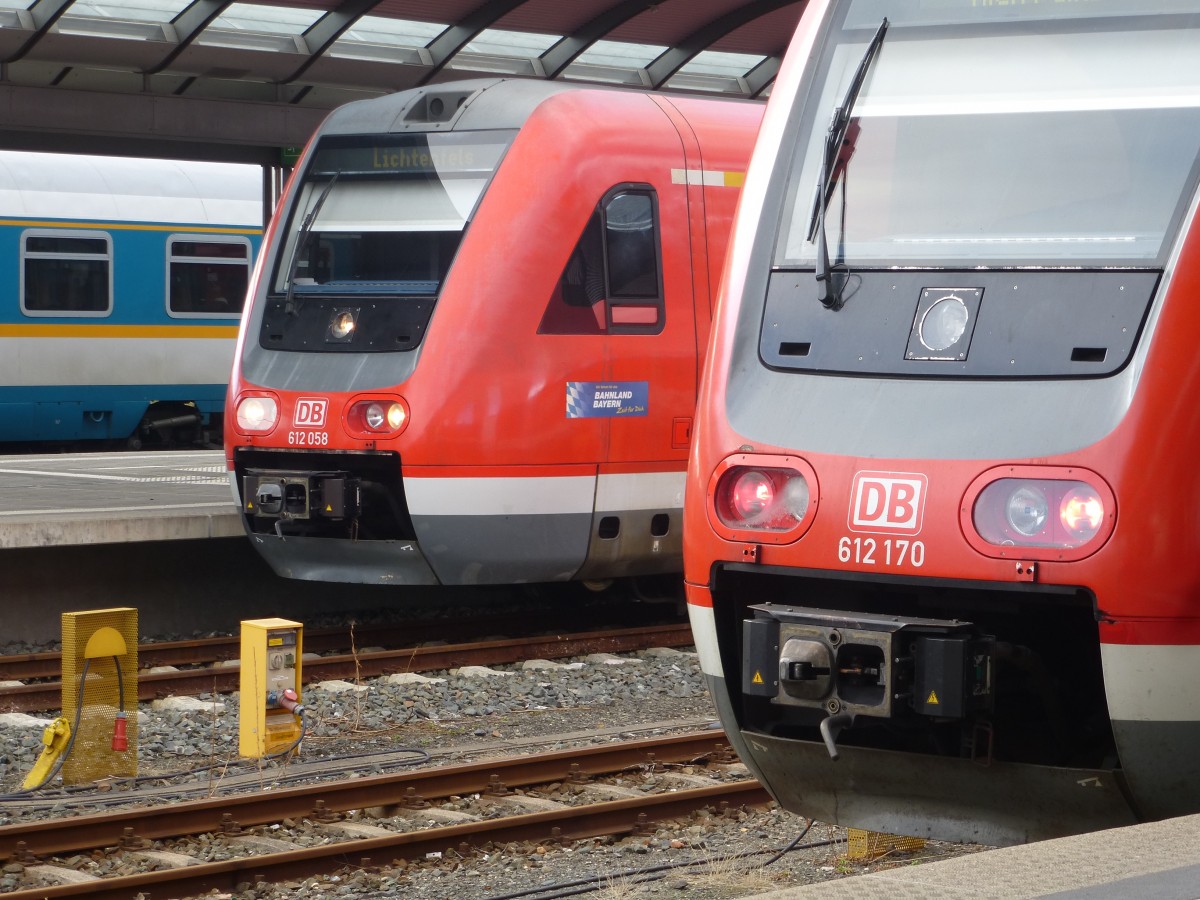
(522, 44)
(157, 11)
(379, 31)
(619, 54)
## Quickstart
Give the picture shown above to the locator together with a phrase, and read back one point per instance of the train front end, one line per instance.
(939, 512)
(358, 257)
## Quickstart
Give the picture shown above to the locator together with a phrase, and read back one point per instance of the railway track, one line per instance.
(205, 651)
(408, 824)
(222, 677)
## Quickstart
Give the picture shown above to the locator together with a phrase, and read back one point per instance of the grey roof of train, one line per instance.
(238, 81)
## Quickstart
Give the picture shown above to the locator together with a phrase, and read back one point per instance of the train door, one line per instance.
(626, 292)
(650, 377)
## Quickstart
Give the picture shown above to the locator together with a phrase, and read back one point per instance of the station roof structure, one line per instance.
(238, 81)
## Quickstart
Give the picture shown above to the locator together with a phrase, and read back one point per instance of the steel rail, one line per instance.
(224, 679)
(201, 651)
(571, 824)
(400, 789)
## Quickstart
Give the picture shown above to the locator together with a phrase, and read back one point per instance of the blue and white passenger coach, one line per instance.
(122, 284)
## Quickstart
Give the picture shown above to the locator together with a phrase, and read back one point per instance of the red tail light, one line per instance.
(770, 496)
(1081, 512)
(750, 495)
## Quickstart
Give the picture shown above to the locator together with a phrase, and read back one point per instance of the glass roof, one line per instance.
(713, 62)
(258, 27)
(496, 42)
(158, 11)
(619, 54)
(266, 19)
(390, 32)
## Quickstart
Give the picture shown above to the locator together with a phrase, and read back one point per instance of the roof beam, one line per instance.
(762, 76)
(324, 32)
(44, 14)
(674, 59)
(70, 120)
(446, 45)
(189, 25)
(571, 47)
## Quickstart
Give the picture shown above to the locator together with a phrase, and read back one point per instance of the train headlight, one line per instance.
(1023, 512)
(377, 416)
(943, 324)
(1027, 509)
(762, 498)
(341, 325)
(257, 414)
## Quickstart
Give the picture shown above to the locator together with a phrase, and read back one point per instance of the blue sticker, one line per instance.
(607, 399)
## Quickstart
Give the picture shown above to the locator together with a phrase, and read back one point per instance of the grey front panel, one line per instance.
(1162, 765)
(716, 690)
(1041, 377)
(937, 797)
(504, 549)
(349, 562)
(1014, 324)
(893, 418)
(647, 542)
(287, 371)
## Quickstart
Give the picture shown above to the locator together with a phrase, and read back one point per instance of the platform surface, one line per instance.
(107, 498)
(1153, 861)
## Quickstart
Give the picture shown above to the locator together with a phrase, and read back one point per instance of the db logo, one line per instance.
(892, 502)
(310, 412)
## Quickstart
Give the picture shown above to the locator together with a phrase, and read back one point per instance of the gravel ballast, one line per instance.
(537, 705)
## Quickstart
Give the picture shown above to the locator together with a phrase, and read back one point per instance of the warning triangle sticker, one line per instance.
(932, 699)
(757, 679)
(249, 504)
(328, 508)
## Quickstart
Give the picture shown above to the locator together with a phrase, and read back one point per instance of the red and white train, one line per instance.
(939, 508)
(472, 344)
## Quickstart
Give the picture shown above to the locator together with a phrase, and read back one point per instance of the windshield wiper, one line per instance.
(831, 167)
(302, 238)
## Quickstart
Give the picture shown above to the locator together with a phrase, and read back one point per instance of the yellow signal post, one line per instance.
(270, 719)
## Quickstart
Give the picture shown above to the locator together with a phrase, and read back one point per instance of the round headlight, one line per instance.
(1026, 510)
(796, 497)
(342, 325)
(374, 416)
(395, 416)
(257, 414)
(943, 324)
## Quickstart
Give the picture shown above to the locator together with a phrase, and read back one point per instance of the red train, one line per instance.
(938, 509)
(470, 353)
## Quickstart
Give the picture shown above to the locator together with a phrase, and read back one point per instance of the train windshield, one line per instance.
(1037, 134)
(385, 213)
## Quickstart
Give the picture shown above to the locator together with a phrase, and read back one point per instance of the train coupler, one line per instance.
(881, 666)
(301, 495)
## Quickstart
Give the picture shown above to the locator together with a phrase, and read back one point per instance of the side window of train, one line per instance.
(66, 273)
(206, 276)
(612, 282)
